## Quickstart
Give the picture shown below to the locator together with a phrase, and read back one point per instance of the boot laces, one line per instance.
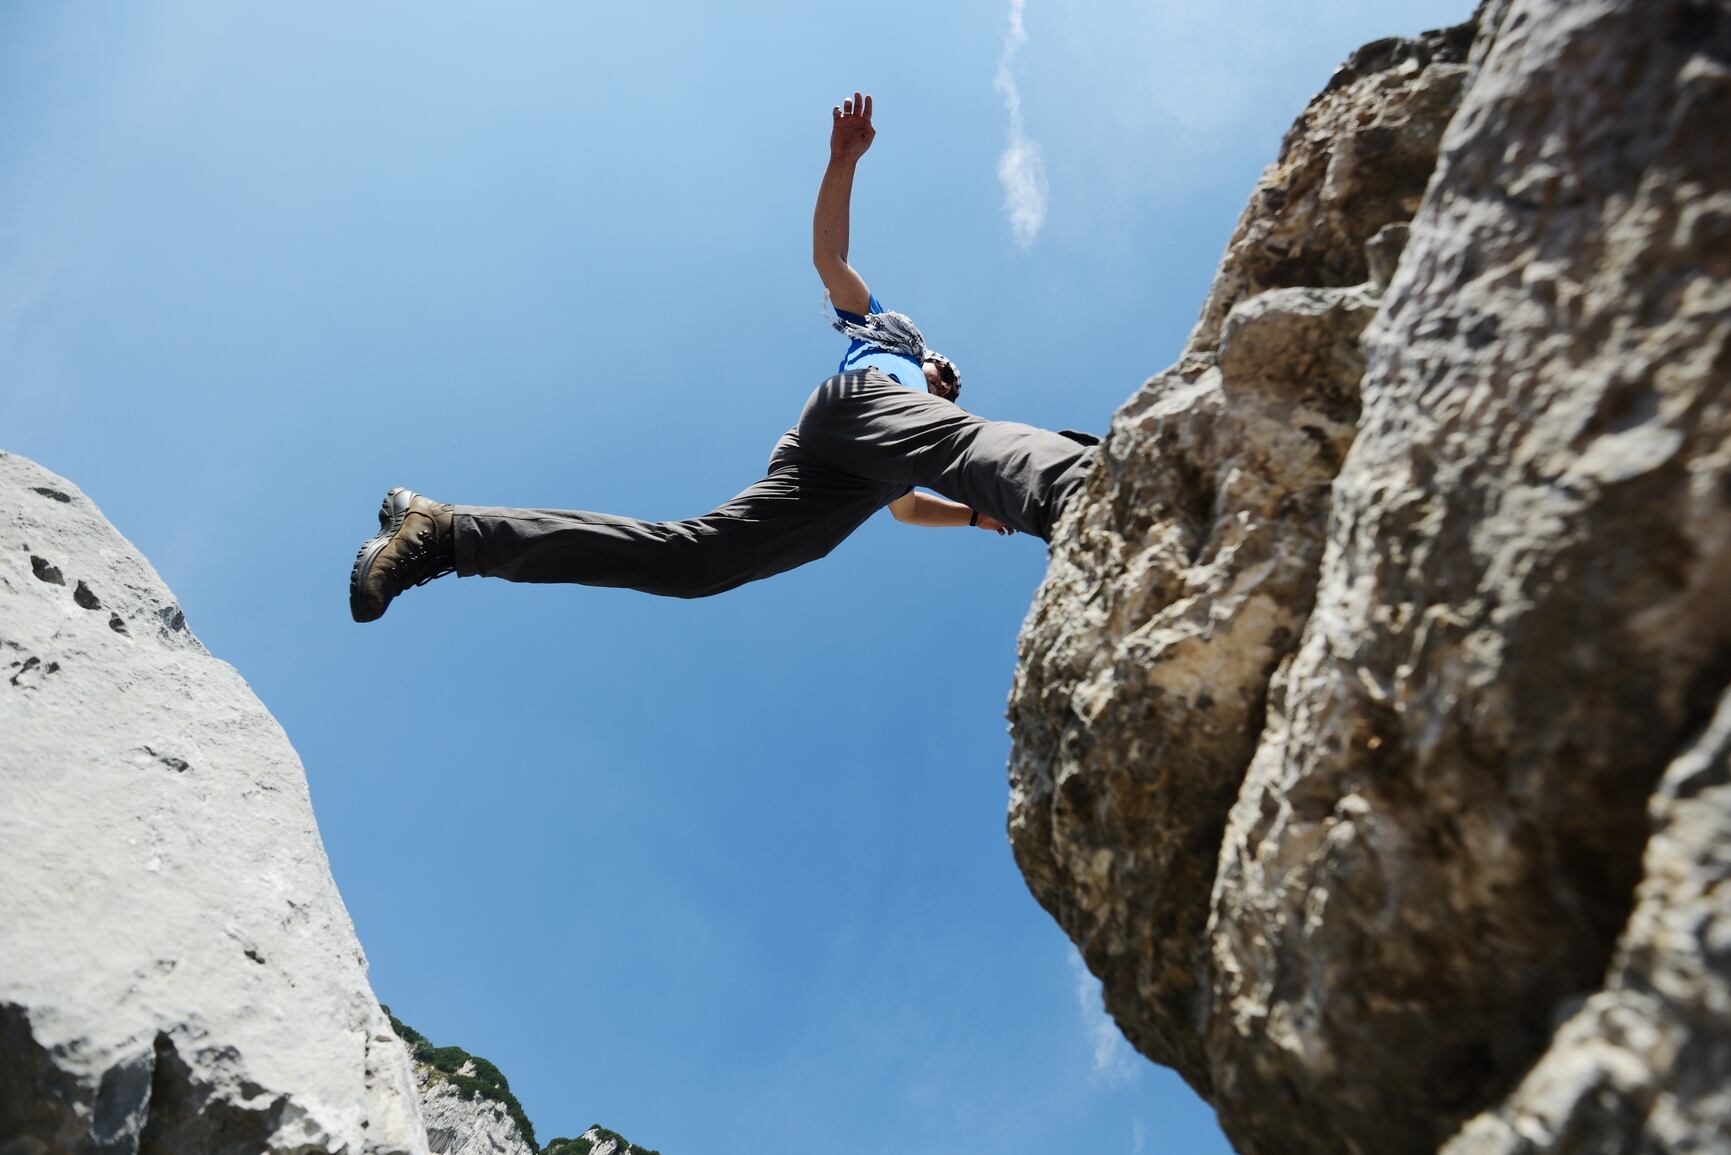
(419, 562)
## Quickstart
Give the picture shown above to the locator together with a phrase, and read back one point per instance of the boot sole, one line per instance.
(392, 510)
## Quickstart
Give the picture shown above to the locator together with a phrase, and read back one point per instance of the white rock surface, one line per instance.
(459, 1126)
(177, 970)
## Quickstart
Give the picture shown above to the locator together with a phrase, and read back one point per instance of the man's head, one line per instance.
(941, 376)
(896, 333)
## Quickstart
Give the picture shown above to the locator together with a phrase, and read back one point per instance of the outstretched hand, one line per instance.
(851, 131)
(994, 525)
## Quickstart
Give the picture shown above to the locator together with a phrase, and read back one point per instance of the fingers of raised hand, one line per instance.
(856, 106)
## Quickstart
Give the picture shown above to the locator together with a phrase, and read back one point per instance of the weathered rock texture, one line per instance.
(1645, 1065)
(459, 1124)
(1345, 712)
(1187, 569)
(177, 971)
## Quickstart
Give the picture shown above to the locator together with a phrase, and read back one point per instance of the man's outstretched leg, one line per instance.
(798, 513)
(866, 424)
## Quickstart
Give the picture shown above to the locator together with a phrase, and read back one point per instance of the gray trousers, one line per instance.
(861, 442)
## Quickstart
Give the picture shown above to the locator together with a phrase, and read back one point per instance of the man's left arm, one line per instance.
(915, 508)
(851, 133)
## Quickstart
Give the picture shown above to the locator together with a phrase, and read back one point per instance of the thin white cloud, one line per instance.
(1114, 1062)
(1021, 169)
(26, 282)
(1138, 1135)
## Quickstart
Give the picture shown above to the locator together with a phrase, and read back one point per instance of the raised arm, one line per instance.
(850, 135)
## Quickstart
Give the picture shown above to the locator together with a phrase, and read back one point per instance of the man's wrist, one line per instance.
(973, 518)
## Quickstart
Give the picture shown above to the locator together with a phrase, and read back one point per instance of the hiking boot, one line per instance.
(413, 547)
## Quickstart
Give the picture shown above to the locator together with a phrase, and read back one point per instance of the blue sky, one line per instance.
(730, 875)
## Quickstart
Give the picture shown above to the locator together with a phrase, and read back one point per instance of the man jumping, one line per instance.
(887, 422)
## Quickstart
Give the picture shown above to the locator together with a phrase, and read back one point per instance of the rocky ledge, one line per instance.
(1370, 728)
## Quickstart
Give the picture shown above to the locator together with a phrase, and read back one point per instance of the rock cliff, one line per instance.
(1365, 731)
(177, 970)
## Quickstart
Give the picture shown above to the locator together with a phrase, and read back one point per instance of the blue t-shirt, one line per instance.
(864, 355)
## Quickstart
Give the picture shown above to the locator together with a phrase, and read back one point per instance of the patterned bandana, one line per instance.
(896, 333)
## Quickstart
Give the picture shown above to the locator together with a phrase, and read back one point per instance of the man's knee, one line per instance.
(699, 558)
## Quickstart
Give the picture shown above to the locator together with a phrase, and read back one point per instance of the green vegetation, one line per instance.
(577, 1146)
(488, 1082)
(590, 1139)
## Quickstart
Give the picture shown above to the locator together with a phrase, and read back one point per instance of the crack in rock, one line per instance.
(177, 764)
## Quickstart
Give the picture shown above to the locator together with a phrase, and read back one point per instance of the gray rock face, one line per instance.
(1645, 1065)
(177, 971)
(1356, 161)
(471, 1126)
(1186, 571)
(1525, 606)
(1340, 763)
